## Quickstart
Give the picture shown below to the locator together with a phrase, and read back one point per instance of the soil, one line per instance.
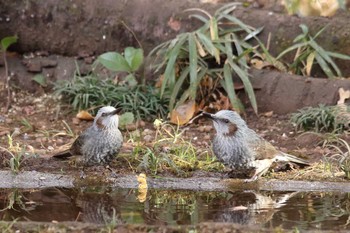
(49, 120)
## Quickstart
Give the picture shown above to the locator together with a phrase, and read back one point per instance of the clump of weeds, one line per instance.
(169, 152)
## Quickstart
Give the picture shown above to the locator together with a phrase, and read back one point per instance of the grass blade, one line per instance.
(193, 64)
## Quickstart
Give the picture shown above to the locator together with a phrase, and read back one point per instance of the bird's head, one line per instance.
(107, 118)
(226, 122)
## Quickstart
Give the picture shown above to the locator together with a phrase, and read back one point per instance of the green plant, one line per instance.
(17, 153)
(213, 51)
(171, 152)
(5, 43)
(91, 91)
(113, 223)
(8, 227)
(341, 155)
(320, 119)
(308, 51)
(27, 125)
(130, 62)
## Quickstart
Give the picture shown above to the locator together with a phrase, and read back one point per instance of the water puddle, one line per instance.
(289, 210)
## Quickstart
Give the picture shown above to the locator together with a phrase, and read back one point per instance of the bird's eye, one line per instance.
(103, 114)
(226, 121)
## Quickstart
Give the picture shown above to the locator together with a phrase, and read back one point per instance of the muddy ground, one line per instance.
(42, 125)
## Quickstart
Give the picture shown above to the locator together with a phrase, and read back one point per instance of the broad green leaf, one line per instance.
(324, 66)
(247, 84)
(253, 34)
(239, 23)
(40, 79)
(214, 33)
(169, 73)
(325, 56)
(300, 37)
(209, 46)
(338, 55)
(229, 87)
(304, 29)
(226, 9)
(177, 87)
(193, 64)
(131, 80)
(134, 57)
(199, 17)
(291, 48)
(7, 41)
(319, 32)
(114, 61)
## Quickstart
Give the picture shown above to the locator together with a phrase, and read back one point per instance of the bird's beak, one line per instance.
(114, 112)
(209, 115)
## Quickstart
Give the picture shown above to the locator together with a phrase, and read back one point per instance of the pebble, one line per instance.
(206, 137)
(16, 132)
(76, 121)
(147, 132)
(147, 138)
(50, 148)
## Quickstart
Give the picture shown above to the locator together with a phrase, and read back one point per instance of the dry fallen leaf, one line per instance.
(268, 114)
(183, 113)
(84, 115)
(343, 95)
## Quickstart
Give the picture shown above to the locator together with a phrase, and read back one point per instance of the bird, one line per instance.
(99, 143)
(240, 148)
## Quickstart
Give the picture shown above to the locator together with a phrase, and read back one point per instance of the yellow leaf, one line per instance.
(309, 62)
(201, 51)
(84, 115)
(343, 95)
(183, 113)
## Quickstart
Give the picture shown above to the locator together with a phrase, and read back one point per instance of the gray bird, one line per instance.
(99, 143)
(238, 147)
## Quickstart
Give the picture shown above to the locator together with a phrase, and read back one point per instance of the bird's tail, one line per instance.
(62, 154)
(291, 158)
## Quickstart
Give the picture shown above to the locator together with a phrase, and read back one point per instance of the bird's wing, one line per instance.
(264, 150)
(75, 148)
(290, 158)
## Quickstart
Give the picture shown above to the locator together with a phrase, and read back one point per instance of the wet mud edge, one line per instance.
(34, 179)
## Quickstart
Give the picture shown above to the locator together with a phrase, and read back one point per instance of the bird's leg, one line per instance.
(261, 167)
(114, 175)
(82, 173)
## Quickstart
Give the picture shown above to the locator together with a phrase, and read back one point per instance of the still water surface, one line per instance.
(289, 210)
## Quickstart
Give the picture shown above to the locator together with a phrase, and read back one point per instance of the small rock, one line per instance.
(16, 132)
(42, 178)
(8, 120)
(147, 138)
(42, 53)
(131, 127)
(34, 66)
(25, 136)
(50, 148)
(76, 121)
(141, 123)
(88, 60)
(206, 137)
(146, 131)
(46, 62)
(59, 141)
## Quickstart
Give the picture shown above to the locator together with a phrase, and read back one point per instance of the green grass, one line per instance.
(91, 91)
(169, 153)
(213, 51)
(319, 119)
